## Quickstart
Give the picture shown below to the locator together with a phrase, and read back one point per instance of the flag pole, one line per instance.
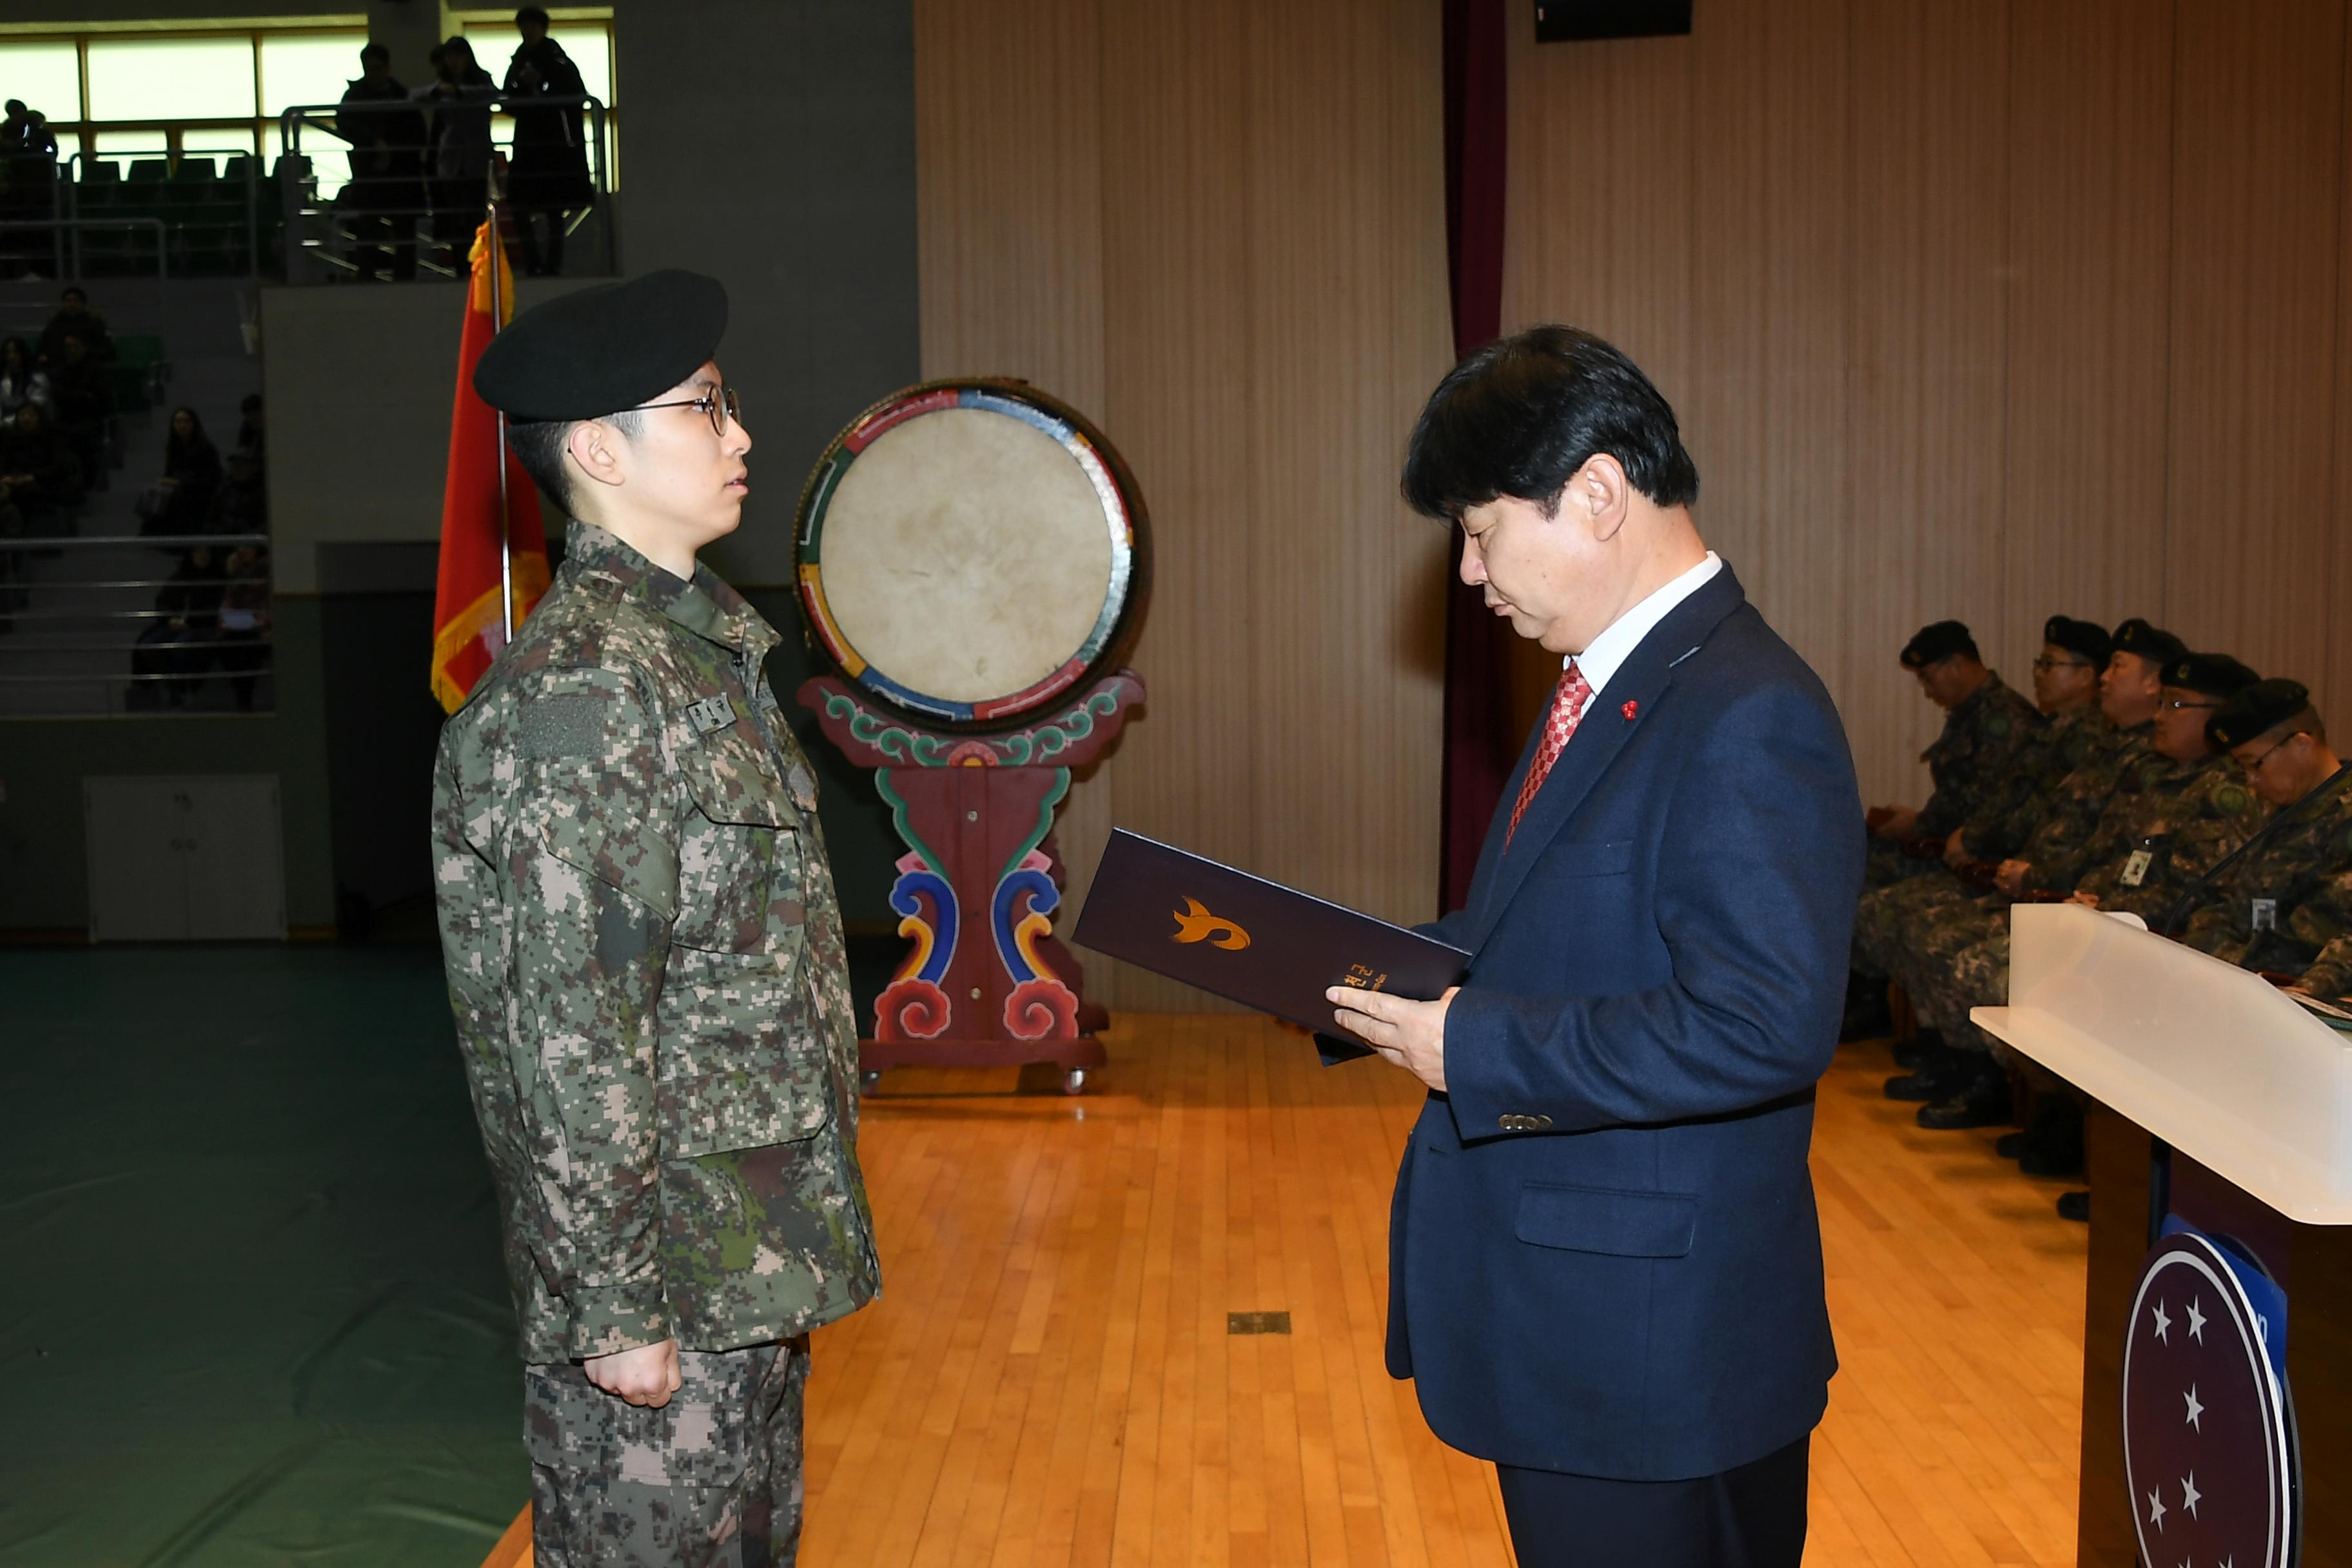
(497, 314)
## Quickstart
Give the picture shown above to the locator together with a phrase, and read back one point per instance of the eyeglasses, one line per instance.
(2046, 664)
(2252, 768)
(2182, 704)
(722, 406)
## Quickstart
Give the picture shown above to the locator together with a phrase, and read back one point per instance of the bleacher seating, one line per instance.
(215, 209)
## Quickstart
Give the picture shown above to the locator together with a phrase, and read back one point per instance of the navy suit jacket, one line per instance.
(1604, 1252)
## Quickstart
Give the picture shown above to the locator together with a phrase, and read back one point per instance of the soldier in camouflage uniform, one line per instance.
(1985, 723)
(2129, 691)
(2066, 693)
(2287, 899)
(646, 959)
(2153, 843)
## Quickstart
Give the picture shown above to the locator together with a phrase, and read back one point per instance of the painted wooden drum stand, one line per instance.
(973, 559)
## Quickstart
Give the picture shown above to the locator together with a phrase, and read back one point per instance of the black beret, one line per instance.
(2255, 709)
(2136, 637)
(2209, 675)
(1940, 640)
(2086, 637)
(597, 350)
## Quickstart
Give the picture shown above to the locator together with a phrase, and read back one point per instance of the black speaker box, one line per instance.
(1572, 21)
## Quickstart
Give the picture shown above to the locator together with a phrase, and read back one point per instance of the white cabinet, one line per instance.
(193, 858)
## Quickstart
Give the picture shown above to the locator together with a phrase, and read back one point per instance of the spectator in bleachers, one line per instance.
(549, 174)
(179, 644)
(75, 318)
(243, 639)
(241, 505)
(461, 100)
(249, 426)
(387, 184)
(83, 400)
(30, 150)
(40, 475)
(21, 381)
(182, 498)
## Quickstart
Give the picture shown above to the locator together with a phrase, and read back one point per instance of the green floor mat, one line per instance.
(251, 1310)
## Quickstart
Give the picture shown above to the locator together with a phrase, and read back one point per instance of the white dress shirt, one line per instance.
(1603, 656)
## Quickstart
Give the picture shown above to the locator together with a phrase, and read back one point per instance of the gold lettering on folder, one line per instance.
(1195, 923)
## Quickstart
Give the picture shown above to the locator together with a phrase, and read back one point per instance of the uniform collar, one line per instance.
(706, 607)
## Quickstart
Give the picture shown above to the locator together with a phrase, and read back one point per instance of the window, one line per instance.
(171, 78)
(47, 76)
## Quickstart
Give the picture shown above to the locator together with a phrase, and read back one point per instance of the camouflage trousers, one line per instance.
(712, 1479)
(1932, 942)
(1887, 918)
(1970, 971)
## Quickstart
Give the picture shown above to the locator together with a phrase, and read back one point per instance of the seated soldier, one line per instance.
(1984, 724)
(2154, 843)
(2066, 691)
(2277, 905)
(2129, 689)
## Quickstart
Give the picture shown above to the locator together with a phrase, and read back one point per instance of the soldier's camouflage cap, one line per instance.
(2209, 674)
(2136, 637)
(2085, 637)
(1938, 640)
(2253, 710)
(597, 350)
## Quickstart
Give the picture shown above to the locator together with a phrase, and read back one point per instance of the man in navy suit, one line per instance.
(1604, 1266)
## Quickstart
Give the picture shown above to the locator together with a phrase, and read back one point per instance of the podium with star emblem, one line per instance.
(2217, 1346)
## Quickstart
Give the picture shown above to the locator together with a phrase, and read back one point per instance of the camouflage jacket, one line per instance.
(2005, 818)
(2291, 895)
(2159, 835)
(646, 959)
(1979, 744)
(2072, 817)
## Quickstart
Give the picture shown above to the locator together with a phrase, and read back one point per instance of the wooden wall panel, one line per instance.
(1009, 212)
(1176, 280)
(1346, 585)
(1219, 229)
(2257, 153)
(2090, 157)
(1766, 415)
(1926, 425)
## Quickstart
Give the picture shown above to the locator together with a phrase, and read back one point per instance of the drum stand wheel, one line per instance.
(1075, 1081)
(869, 1081)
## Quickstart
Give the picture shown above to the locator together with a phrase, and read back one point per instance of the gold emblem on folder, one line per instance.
(1195, 923)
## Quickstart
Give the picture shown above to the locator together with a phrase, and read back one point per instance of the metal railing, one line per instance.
(212, 225)
(89, 673)
(65, 248)
(372, 226)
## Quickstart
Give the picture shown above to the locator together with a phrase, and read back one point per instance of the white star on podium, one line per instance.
(2156, 1507)
(2195, 1409)
(2163, 1325)
(2196, 1323)
(2190, 1494)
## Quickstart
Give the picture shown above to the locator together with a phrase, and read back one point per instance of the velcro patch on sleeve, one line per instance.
(569, 725)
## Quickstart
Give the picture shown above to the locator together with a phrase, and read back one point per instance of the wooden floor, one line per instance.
(1049, 1378)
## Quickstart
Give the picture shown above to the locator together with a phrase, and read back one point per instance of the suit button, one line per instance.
(1508, 1123)
(1543, 1123)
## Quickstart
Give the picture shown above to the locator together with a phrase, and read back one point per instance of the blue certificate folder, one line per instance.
(1248, 939)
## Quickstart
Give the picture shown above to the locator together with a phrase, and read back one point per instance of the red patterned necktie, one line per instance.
(1567, 711)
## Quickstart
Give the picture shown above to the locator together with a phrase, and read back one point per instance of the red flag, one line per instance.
(469, 607)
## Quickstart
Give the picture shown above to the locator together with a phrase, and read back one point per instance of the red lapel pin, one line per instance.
(1630, 710)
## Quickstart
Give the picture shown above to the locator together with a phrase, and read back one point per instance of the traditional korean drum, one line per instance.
(971, 551)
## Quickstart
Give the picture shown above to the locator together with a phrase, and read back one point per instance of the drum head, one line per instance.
(970, 551)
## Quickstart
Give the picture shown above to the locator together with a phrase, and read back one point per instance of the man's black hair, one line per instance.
(375, 52)
(73, 292)
(249, 403)
(538, 446)
(1521, 416)
(531, 14)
